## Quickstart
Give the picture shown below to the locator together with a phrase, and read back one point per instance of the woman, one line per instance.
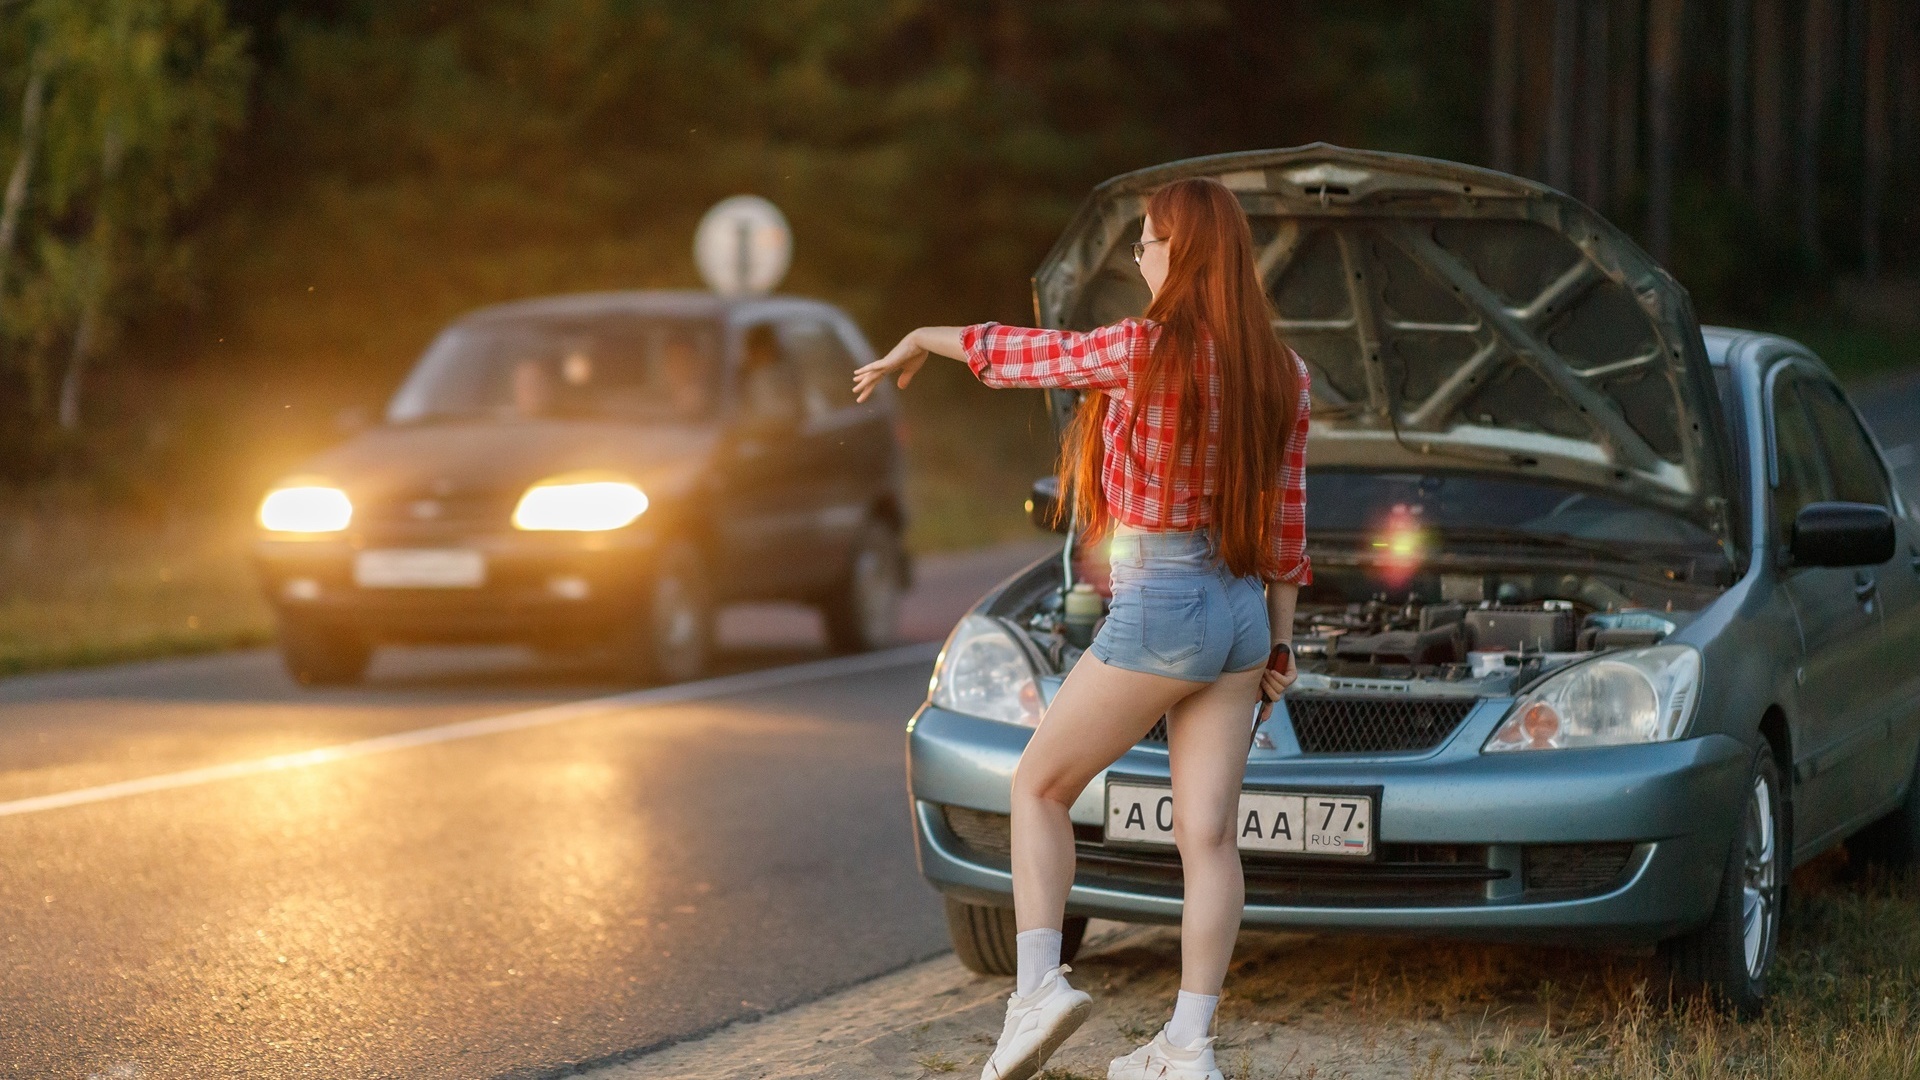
(1191, 450)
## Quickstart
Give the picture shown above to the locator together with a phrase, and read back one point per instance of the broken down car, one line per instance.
(1611, 621)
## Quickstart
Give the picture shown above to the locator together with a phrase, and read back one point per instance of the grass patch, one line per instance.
(83, 589)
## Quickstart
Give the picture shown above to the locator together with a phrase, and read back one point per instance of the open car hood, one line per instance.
(1453, 318)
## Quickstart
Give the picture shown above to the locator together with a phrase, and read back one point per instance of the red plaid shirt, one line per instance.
(1135, 476)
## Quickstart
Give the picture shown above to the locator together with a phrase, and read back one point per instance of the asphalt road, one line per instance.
(432, 893)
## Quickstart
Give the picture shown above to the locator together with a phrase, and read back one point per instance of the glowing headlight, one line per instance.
(984, 672)
(1635, 696)
(306, 508)
(579, 506)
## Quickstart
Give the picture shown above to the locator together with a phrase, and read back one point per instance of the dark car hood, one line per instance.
(1452, 317)
(489, 457)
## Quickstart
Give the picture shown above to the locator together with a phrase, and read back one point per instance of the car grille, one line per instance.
(1574, 868)
(1374, 725)
(1404, 875)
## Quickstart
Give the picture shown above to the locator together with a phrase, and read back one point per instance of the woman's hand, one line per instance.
(904, 358)
(1274, 681)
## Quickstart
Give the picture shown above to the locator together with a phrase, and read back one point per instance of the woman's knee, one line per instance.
(1203, 837)
(1036, 781)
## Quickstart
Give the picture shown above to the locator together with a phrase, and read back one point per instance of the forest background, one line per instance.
(226, 223)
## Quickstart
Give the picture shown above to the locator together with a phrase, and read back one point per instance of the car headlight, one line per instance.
(984, 672)
(1634, 696)
(569, 505)
(305, 508)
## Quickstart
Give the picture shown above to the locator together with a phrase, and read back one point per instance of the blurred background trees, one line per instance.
(234, 219)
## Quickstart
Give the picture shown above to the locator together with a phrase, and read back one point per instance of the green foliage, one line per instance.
(138, 94)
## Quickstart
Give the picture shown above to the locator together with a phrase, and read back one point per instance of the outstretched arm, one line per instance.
(1018, 356)
(906, 357)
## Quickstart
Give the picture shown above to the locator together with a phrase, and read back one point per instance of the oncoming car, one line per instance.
(1612, 622)
(598, 471)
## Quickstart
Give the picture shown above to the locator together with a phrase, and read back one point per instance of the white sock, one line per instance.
(1038, 953)
(1192, 1017)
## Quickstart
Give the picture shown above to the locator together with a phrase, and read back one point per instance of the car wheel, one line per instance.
(983, 937)
(863, 612)
(1894, 840)
(317, 654)
(1729, 957)
(672, 640)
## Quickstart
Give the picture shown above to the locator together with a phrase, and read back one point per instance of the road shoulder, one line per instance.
(936, 1018)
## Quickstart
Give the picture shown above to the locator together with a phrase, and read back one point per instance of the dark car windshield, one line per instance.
(616, 367)
(1366, 502)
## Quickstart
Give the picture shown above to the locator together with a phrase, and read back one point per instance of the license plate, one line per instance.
(420, 569)
(1302, 823)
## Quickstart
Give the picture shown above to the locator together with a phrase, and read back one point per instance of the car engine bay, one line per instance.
(1485, 634)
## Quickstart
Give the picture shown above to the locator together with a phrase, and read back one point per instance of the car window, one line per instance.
(1802, 476)
(769, 390)
(824, 365)
(1851, 461)
(534, 367)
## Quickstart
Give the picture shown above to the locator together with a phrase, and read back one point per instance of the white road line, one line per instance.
(745, 682)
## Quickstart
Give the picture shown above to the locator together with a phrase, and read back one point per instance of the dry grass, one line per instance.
(96, 588)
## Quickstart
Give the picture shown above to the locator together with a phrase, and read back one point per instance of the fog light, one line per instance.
(301, 588)
(570, 587)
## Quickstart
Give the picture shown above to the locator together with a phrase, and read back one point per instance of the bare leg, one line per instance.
(1207, 739)
(1099, 712)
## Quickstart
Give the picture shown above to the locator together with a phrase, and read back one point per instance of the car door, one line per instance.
(846, 443)
(1839, 622)
(1892, 678)
(764, 507)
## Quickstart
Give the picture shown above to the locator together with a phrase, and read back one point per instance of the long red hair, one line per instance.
(1212, 295)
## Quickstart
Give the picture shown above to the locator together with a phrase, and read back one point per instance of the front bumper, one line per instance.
(1665, 812)
(537, 586)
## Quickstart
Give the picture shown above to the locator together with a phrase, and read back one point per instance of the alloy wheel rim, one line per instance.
(878, 598)
(677, 627)
(1760, 886)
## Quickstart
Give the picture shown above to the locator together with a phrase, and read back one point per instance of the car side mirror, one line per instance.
(1841, 534)
(1043, 505)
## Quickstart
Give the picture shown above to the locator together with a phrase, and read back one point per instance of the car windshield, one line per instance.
(1341, 500)
(614, 367)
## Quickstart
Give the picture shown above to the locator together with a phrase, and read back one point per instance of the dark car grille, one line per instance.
(487, 509)
(1374, 725)
(1404, 875)
(1574, 868)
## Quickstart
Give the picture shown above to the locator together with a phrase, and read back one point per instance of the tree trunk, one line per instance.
(1769, 104)
(16, 198)
(1504, 84)
(1663, 80)
(84, 338)
(1880, 30)
(1739, 25)
(1566, 46)
(1816, 38)
(99, 280)
(1626, 101)
(1593, 92)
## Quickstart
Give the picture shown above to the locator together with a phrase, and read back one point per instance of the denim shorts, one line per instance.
(1178, 612)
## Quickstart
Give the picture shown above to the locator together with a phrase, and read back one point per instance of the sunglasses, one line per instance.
(1140, 246)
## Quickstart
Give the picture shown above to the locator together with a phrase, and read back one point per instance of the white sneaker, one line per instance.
(1036, 1026)
(1161, 1060)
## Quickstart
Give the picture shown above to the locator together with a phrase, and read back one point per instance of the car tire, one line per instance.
(672, 640)
(318, 654)
(1893, 841)
(863, 611)
(983, 937)
(1729, 958)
